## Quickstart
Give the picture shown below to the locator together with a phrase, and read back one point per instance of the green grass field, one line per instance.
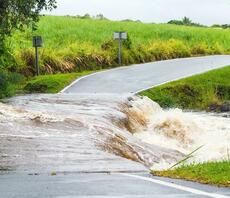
(200, 92)
(215, 173)
(77, 45)
(73, 45)
(61, 32)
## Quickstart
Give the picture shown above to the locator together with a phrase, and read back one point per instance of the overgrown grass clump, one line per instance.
(216, 173)
(9, 83)
(51, 83)
(73, 45)
(201, 92)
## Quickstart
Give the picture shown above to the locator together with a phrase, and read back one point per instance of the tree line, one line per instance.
(188, 22)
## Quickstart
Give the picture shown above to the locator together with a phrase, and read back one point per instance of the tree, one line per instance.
(16, 14)
(186, 21)
(176, 22)
(100, 17)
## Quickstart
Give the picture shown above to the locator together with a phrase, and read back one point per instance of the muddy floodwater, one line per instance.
(66, 132)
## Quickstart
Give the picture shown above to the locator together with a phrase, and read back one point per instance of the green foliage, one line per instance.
(197, 92)
(225, 26)
(217, 173)
(185, 21)
(15, 14)
(9, 82)
(51, 83)
(72, 44)
(163, 50)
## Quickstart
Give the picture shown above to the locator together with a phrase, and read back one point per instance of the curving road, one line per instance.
(136, 182)
(133, 79)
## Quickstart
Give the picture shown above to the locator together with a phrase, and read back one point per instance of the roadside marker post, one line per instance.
(120, 36)
(37, 42)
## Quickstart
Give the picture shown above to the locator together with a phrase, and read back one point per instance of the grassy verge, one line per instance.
(202, 92)
(215, 173)
(51, 83)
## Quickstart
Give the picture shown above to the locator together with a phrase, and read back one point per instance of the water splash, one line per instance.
(71, 132)
(182, 131)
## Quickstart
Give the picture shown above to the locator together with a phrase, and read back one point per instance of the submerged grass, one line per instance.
(216, 173)
(202, 92)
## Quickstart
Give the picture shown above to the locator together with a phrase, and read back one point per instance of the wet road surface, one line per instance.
(102, 185)
(141, 77)
(78, 164)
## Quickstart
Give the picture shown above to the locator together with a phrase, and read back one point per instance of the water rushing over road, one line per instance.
(96, 125)
(87, 133)
(55, 133)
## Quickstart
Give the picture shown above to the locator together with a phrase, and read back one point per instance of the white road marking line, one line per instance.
(176, 186)
(136, 92)
(90, 75)
(180, 78)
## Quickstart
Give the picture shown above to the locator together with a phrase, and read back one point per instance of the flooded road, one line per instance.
(100, 133)
(70, 133)
(98, 125)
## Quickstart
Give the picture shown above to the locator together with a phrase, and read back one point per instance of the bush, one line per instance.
(9, 83)
(200, 49)
(163, 50)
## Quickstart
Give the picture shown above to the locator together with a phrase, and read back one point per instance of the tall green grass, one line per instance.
(72, 44)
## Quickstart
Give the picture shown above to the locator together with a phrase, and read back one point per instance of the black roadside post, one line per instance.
(37, 42)
(120, 36)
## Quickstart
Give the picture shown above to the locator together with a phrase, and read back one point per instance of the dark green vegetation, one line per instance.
(185, 21)
(51, 83)
(216, 173)
(12, 83)
(9, 83)
(76, 44)
(225, 26)
(16, 15)
(202, 92)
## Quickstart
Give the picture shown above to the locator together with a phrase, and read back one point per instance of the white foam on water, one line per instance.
(182, 131)
(8, 112)
(128, 126)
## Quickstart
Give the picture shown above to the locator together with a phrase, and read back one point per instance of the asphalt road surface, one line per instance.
(141, 77)
(103, 185)
(133, 183)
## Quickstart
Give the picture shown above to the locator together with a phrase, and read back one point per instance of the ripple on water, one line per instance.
(97, 132)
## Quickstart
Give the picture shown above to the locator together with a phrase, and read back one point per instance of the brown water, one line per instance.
(100, 132)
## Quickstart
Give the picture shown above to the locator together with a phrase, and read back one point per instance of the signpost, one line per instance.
(120, 36)
(37, 42)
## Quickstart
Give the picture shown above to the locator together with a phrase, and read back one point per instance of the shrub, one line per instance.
(9, 83)
(217, 49)
(162, 50)
(200, 49)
